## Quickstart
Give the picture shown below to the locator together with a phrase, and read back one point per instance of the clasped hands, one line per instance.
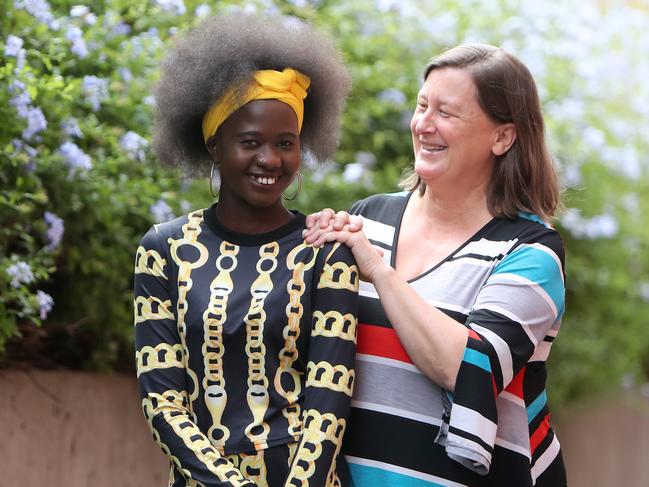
(328, 226)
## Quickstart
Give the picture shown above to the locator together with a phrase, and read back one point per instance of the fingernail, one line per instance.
(303, 233)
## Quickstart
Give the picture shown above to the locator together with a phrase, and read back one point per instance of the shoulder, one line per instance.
(534, 231)
(531, 241)
(332, 252)
(379, 204)
(159, 233)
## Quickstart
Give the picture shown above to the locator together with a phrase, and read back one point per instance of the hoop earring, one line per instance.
(214, 195)
(299, 188)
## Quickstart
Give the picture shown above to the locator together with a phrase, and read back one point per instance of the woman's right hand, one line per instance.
(322, 222)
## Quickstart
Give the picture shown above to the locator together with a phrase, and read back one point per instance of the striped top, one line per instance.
(245, 349)
(506, 284)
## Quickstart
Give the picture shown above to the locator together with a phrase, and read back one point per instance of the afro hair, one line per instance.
(222, 53)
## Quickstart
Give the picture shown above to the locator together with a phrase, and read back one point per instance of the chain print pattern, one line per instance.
(149, 262)
(192, 437)
(251, 466)
(334, 377)
(257, 394)
(334, 324)
(198, 305)
(191, 230)
(299, 260)
(162, 356)
(317, 429)
(152, 308)
(213, 319)
(339, 275)
(151, 406)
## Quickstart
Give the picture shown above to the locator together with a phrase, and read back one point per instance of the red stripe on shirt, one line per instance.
(540, 433)
(381, 342)
(515, 387)
(474, 335)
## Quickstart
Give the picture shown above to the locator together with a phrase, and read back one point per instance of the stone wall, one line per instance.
(72, 429)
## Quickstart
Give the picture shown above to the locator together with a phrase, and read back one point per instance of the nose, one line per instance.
(268, 158)
(423, 122)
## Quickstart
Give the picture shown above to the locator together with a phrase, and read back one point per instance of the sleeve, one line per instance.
(330, 369)
(516, 316)
(162, 377)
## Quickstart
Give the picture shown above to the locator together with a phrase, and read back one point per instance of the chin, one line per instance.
(426, 170)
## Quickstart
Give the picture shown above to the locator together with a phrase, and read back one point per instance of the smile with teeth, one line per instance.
(265, 180)
(433, 147)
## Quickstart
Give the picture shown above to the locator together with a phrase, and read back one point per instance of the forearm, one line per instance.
(434, 341)
(184, 443)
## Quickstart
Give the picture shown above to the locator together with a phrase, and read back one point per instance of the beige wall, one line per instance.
(63, 429)
(70, 429)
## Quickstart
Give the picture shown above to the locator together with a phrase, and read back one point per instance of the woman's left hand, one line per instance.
(326, 220)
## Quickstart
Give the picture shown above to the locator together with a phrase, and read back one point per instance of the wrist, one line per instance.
(383, 272)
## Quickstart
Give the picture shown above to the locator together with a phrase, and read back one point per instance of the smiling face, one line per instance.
(454, 140)
(258, 154)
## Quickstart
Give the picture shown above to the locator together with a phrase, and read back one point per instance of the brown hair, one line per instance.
(524, 178)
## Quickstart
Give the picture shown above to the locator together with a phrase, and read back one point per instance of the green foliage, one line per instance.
(589, 63)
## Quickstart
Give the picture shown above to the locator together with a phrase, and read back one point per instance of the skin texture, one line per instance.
(454, 141)
(257, 152)
(454, 144)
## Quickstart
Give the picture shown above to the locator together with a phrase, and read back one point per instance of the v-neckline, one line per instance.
(395, 242)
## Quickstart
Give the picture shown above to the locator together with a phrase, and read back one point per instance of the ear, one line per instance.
(504, 137)
(211, 146)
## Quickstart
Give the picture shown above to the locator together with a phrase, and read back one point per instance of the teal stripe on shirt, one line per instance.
(537, 405)
(478, 359)
(536, 266)
(366, 476)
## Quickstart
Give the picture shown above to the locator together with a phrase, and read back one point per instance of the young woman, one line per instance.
(245, 335)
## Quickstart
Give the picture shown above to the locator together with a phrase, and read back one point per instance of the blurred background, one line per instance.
(79, 186)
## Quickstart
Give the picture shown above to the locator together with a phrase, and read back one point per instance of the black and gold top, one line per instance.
(245, 351)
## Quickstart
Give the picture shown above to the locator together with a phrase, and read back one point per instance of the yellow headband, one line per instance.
(288, 86)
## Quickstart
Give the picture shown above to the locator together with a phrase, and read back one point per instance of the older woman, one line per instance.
(245, 335)
(462, 289)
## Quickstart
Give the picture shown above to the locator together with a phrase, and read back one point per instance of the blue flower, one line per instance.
(45, 303)
(70, 127)
(119, 29)
(75, 158)
(393, 96)
(202, 10)
(95, 89)
(13, 46)
(125, 74)
(134, 145)
(174, 6)
(75, 36)
(39, 9)
(55, 230)
(21, 102)
(79, 11)
(20, 273)
(161, 211)
(36, 122)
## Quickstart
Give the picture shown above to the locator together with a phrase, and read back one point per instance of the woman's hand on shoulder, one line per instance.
(323, 222)
(327, 226)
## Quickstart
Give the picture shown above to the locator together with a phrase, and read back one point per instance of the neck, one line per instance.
(453, 209)
(249, 220)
